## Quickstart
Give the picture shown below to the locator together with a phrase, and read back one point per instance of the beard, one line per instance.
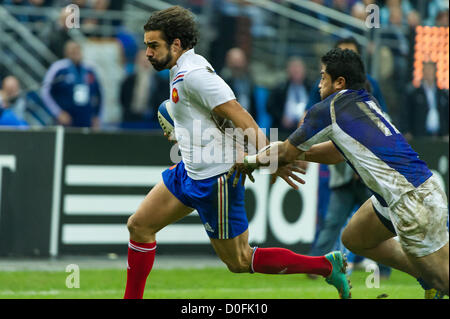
(163, 64)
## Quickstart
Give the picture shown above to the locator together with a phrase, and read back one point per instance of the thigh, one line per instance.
(365, 230)
(159, 209)
(420, 219)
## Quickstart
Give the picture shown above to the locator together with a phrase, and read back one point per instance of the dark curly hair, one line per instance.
(345, 63)
(174, 22)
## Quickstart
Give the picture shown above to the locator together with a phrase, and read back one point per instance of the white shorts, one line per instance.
(419, 218)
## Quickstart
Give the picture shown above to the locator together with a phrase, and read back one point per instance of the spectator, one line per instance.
(385, 13)
(396, 39)
(342, 5)
(425, 112)
(10, 96)
(435, 8)
(358, 11)
(129, 49)
(442, 19)
(95, 26)
(140, 95)
(11, 105)
(59, 34)
(71, 90)
(236, 74)
(37, 19)
(287, 102)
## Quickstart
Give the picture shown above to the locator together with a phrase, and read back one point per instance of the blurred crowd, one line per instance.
(71, 92)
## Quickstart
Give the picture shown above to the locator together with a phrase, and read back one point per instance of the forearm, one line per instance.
(251, 130)
(323, 153)
(281, 152)
(242, 120)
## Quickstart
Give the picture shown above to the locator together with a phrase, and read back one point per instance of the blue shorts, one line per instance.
(219, 204)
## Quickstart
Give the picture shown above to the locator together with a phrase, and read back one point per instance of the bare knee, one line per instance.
(350, 241)
(138, 231)
(240, 263)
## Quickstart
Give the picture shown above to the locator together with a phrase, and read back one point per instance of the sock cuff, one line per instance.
(142, 247)
(253, 257)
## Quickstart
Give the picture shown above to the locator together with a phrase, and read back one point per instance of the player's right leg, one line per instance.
(367, 236)
(159, 209)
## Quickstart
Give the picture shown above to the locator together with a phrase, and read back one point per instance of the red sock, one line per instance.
(140, 262)
(284, 261)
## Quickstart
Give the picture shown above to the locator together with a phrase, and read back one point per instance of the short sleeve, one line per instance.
(207, 89)
(316, 128)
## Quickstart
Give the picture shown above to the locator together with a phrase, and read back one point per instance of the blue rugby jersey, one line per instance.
(375, 149)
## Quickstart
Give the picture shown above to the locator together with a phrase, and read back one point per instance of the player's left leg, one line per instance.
(239, 257)
(222, 211)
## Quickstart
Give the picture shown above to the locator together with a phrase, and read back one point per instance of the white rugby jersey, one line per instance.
(195, 90)
(375, 149)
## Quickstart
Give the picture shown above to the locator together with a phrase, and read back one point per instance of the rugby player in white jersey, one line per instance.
(407, 200)
(201, 103)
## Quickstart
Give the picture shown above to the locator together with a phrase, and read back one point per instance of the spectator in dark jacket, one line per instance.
(287, 102)
(141, 93)
(237, 75)
(425, 112)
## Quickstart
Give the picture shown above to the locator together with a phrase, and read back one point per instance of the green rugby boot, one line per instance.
(338, 276)
(434, 294)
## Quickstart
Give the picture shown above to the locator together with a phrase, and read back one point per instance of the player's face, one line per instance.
(158, 51)
(327, 86)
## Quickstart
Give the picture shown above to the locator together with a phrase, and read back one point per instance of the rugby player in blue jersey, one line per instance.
(407, 200)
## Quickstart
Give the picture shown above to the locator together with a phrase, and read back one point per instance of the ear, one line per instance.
(176, 43)
(340, 83)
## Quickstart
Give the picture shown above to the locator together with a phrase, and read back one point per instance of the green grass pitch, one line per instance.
(209, 283)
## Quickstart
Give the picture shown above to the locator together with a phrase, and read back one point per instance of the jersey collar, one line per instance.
(181, 59)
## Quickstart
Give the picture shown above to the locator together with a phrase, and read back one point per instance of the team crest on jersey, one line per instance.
(175, 96)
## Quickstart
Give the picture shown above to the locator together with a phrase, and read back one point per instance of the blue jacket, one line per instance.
(8, 118)
(74, 89)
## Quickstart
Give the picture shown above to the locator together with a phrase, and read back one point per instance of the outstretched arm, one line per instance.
(287, 155)
(323, 153)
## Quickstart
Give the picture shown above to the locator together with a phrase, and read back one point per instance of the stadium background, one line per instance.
(69, 191)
